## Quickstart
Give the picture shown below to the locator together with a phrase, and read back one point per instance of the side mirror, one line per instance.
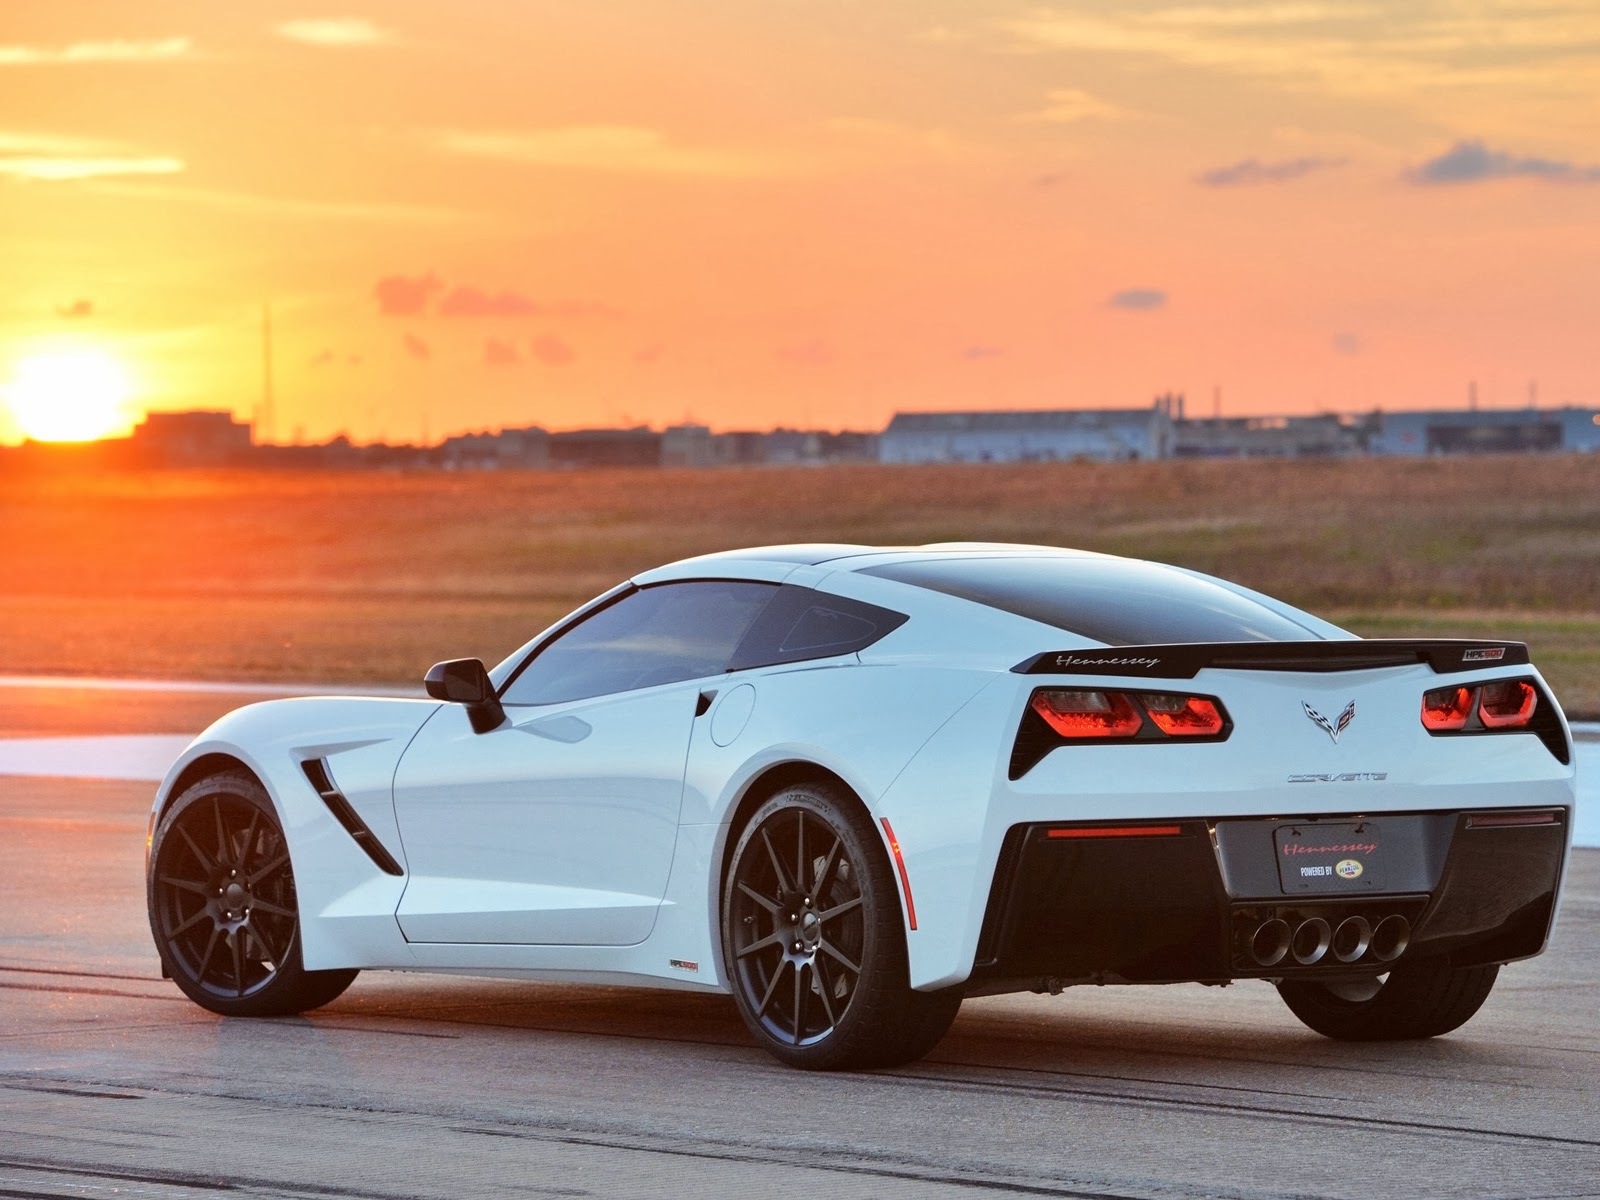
(464, 681)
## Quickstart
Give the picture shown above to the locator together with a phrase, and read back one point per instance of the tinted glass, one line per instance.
(1120, 602)
(661, 634)
(802, 624)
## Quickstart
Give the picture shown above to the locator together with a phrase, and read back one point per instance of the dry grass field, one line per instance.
(369, 577)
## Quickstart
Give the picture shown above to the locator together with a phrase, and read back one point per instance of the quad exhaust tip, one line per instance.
(1313, 940)
(1351, 939)
(1390, 938)
(1270, 942)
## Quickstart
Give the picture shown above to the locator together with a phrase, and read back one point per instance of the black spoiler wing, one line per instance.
(1185, 661)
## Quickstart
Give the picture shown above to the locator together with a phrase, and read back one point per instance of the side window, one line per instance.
(802, 624)
(659, 634)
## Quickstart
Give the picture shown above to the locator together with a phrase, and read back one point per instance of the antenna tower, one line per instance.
(264, 413)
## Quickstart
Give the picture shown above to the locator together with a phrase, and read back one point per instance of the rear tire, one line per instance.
(222, 904)
(1420, 999)
(814, 941)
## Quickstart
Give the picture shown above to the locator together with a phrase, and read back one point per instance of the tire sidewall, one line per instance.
(884, 974)
(279, 994)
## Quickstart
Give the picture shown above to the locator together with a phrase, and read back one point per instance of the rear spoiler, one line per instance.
(1185, 661)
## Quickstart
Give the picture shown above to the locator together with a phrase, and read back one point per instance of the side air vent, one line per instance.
(316, 770)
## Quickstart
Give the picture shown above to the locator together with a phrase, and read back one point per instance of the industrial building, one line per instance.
(1488, 431)
(1042, 435)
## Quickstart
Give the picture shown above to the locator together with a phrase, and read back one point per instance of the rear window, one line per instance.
(801, 624)
(1118, 601)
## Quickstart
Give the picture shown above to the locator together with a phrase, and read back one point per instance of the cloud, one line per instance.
(552, 351)
(1067, 106)
(335, 33)
(416, 347)
(649, 355)
(1348, 343)
(500, 354)
(1427, 56)
(288, 208)
(979, 352)
(1249, 172)
(78, 308)
(1138, 299)
(115, 51)
(54, 158)
(403, 295)
(1051, 179)
(471, 302)
(1473, 162)
(619, 148)
(56, 170)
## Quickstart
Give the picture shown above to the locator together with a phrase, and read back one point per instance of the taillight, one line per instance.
(1075, 714)
(1447, 708)
(1494, 707)
(1485, 708)
(1507, 704)
(1184, 716)
(1059, 716)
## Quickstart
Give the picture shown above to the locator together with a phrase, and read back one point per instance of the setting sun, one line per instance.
(69, 396)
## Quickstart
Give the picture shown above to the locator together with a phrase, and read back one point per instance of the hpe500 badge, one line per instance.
(1329, 858)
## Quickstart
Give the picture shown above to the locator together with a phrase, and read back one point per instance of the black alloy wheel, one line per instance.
(814, 940)
(222, 904)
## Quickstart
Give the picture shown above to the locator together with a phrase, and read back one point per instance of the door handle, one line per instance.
(703, 704)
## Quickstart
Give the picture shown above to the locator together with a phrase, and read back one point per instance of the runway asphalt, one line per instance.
(421, 1087)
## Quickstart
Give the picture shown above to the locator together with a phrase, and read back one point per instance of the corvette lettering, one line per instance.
(1073, 660)
(1341, 777)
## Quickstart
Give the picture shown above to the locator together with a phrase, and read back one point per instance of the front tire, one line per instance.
(222, 904)
(1420, 999)
(814, 941)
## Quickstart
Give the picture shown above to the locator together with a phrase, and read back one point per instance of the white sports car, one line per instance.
(854, 785)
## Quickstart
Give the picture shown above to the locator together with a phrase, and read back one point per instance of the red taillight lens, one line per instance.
(1074, 714)
(1508, 704)
(1447, 708)
(1184, 716)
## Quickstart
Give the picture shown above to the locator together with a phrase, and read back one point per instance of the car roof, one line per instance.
(846, 556)
(1107, 598)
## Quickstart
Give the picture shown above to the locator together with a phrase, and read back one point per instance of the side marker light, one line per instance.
(900, 866)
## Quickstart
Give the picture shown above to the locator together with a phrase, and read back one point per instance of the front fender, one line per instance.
(346, 901)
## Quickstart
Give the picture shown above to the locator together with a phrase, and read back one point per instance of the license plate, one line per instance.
(1330, 857)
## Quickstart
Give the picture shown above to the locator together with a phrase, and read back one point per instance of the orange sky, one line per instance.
(753, 212)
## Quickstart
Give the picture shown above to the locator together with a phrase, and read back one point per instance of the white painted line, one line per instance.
(73, 682)
(141, 757)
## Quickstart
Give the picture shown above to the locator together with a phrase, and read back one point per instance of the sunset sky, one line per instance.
(490, 213)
